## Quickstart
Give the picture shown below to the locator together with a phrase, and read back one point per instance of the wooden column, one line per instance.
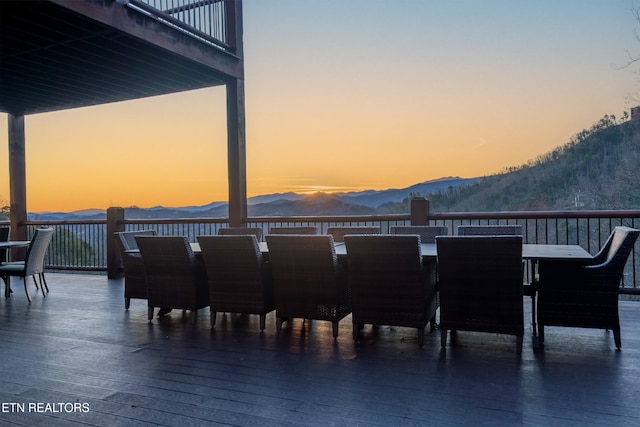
(17, 178)
(237, 154)
(419, 211)
(115, 222)
(236, 135)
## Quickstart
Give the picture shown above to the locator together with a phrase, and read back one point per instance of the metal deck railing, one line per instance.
(82, 245)
(206, 20)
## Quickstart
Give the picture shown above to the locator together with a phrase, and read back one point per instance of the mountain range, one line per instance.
(286, 204)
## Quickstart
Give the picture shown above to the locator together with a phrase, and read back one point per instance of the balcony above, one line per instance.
(63, 54)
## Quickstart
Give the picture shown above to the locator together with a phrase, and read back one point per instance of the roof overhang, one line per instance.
(57, 55)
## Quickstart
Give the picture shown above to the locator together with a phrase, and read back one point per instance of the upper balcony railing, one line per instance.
(207, 20)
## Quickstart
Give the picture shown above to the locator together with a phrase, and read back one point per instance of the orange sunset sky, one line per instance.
(350, 95)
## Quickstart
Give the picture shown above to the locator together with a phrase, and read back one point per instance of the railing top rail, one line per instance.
(175, 220)
(537, 214)
(65, 221)
(332, 218)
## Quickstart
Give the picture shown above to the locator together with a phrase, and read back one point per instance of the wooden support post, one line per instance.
(115, 223)
(419, 211)
(17, 183)
(237, 154)
(236, 134)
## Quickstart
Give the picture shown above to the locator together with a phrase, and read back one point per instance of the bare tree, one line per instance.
(632, 58)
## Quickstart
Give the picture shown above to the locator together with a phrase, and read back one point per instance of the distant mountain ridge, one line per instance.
(374, 199)
(281, 203)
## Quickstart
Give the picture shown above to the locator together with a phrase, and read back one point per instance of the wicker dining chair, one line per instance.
(309, 230)
(241, 231)
(307, 280)
(480, 284)
(33, 264)
(175, 278)
(390, 284)
(427, 233)
(135, 282)
(571, 294)
(499, 230)
(239, 278)
(338, 233)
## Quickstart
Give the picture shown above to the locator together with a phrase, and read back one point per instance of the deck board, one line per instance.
(79, 345)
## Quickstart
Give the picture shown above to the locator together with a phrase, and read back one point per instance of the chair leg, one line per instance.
(519, 344)
(540, 333)
(278, 324)
(616, 338)
(127, 303)
(443, 338)
(150, 313)
(263, 322)
(43, 281)
(42, 285)
(335, 329)
(432, 324)
(356, 331)
(35, 281)
(7, 286)
(212, 317)
(420, 337)
(24, 280)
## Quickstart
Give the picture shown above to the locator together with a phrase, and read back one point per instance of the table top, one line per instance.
(429, 250)
(14, 244)
(529, 251)
(559, 252)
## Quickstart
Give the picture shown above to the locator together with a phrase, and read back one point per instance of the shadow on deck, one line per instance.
(77, 357)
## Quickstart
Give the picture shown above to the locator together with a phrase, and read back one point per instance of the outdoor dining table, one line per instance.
(536, 253)
(11, 245)
(530, 252)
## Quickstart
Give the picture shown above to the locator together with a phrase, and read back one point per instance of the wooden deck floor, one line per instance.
(77, 357)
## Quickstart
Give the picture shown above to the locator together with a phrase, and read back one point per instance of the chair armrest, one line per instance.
(570, 275)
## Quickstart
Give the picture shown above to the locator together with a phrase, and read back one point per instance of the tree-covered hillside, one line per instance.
(597, 169)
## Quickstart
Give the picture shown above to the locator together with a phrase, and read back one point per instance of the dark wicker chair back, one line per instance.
(241, 231)
(617, 248)
(338, 233)
(480, 283)
(389, 284)
(175, 279)
(585, 296)
(135, 282)
(427, 233)
(239, 279)
(127, 239)
(4, 237)
(306, 278)
(310, 230)
(490, 230)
